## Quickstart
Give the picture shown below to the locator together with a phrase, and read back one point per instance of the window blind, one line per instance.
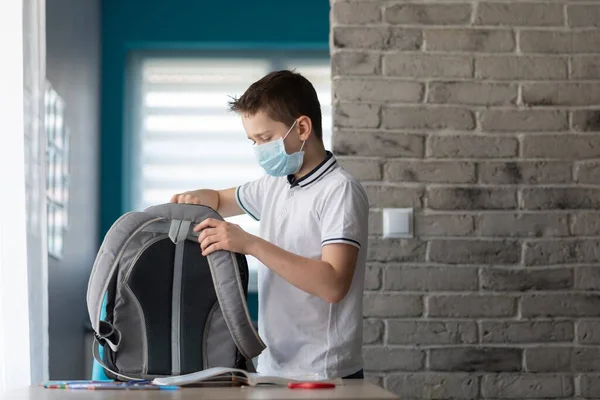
(187, 139)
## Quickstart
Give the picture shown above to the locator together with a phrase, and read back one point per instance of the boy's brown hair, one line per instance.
(283, 96)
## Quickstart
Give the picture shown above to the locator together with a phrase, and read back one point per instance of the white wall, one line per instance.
(14, 302)
(34, 65)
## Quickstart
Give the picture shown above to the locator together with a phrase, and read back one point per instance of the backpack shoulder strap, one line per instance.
(230, 294)
(105, 267)
(226, 278)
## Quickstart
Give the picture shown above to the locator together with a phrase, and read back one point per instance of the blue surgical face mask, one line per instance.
(274, 159)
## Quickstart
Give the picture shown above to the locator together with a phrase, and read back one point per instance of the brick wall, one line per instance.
(485, 117)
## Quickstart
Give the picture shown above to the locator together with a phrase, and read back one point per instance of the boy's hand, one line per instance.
(221, 235)
(200, 197)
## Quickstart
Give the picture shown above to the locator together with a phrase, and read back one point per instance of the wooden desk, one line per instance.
(354, 390)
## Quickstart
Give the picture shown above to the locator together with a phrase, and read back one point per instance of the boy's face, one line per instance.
(261, 129)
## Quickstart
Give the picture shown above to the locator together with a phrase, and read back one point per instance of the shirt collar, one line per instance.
(317, 173)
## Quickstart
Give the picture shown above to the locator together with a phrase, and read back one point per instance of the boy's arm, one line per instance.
(328, 278)
(222, 201)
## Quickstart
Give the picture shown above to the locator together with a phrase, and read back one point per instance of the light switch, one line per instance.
(397, 222)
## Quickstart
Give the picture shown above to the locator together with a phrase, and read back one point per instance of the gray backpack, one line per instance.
(169, 310)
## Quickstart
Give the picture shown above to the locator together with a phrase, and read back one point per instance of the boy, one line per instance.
(313, 226)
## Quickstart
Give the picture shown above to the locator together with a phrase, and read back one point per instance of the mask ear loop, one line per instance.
(289, 130)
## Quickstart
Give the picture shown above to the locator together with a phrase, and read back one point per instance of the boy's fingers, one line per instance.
(209, 240)
(207, 223)
(206, 233)
(212, 248)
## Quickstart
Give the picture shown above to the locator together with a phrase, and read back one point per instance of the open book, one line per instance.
(219, 374)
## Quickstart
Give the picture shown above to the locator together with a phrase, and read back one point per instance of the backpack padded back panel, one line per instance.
(169, 310)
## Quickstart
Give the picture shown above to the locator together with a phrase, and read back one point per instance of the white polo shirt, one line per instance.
(306, 336)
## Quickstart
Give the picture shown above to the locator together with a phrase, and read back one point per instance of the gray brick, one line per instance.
(584, 15)
(356, 115)
(405, 250)
(472, 93)
(431, 332)
(589, 386)
(520, 14)
(471, 306)
(404, 39)
(372, 331)
(425, 279)
(475, 359)
(356, 12)
(392, 359)
(427, 118)
(480, 40)
(588, 172)
(429, 171)
(433, 385)
(471, 198)
(585, 224)
(460, 251)
(375, 223)
(427, 65)
(359, 37)
(585, 67)
(562, 359)
(587, 278)
(586, 120)
(366, 169)
(525, 172)
(373, 277)
(355, 63)
(561, 305)
(467, 146)
(510, 279)
(393, 196)
(528, 386)
(560, 42)
(522, 225)
(523, 120)
(444, 225)
(520, 68)
(588, 332)
(561, 198)
(586, 359)
(376, 38)
(379, 144)
(561, 94)
(392, 305)
(526, 331)
(377, 90)
(428, 14)
(567, 147)
(565, 251)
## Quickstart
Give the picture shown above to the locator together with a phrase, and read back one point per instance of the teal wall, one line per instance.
(131, 25)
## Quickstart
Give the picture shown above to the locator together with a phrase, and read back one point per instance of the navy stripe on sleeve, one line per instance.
(341, 239)
(237, 195)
